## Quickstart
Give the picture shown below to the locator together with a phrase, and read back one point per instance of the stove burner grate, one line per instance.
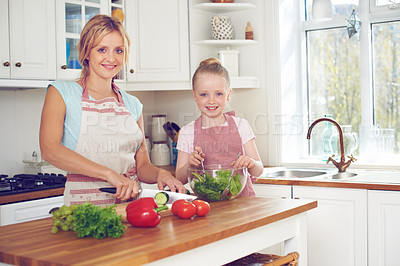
(23, 183)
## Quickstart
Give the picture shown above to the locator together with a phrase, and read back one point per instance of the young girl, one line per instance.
(93, 130)
(215, 137)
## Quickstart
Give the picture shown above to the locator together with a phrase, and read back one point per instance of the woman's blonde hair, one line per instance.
(92, 34)
(211, 66)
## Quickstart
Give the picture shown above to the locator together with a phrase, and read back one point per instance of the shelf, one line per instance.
(24, 83)
(245, 82)
(224, 7)
(226, 42)
(70, 35)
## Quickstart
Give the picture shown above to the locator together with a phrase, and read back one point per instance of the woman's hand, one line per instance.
(165, 178)
(126, 188)
(196, 157)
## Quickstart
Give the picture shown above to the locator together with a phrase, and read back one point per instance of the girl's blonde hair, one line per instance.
(92, 34)
(211, 66)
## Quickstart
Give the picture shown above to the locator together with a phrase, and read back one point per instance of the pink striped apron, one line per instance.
(109, 136)
(221, 145)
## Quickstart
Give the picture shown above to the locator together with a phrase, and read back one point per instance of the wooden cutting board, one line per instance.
(121, 210)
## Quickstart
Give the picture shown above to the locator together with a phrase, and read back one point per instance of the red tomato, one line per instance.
(175, 204)
(202, 207)
(186, 210)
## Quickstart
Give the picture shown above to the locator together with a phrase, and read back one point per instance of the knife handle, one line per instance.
(112, 190)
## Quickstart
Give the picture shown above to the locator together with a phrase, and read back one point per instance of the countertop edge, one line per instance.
(337, 184)
(46, 193)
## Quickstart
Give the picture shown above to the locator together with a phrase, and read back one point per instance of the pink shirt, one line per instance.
(186, 134)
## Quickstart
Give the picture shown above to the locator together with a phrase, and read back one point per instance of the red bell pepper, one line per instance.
(147, 201)
(143, 212)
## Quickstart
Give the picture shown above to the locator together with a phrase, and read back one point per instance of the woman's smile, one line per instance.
(109, 66)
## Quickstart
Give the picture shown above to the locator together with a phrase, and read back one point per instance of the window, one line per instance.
(354, 79)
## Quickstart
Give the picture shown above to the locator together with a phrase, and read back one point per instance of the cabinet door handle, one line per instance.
(6, 64)
(18, 64)
(64, 67)
(132, 71)
(283, 197)
(296, 198)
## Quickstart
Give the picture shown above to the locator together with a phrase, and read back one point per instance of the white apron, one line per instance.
(109, 136)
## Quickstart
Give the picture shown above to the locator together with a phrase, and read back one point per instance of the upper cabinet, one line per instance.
(4, 41)
(169, 38)
(202, 45)
(159, 32)
(72, 16)
(27, 45)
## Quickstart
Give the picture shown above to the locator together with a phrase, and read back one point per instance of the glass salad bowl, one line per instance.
(210, 185)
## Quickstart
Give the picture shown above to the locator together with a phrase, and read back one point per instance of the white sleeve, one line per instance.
(186, 138)
(245, 131)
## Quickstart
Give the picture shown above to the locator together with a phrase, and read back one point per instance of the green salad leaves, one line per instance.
(211, 188)
(89, 220)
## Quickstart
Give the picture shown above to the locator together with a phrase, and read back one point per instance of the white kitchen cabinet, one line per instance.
(28, 210)
(383, 227)
(202, 47)
(72, 16)
(337, 228)
(27, 46)
(4, 41)
(273, 191)
(158, 30)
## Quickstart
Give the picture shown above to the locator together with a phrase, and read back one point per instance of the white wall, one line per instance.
(20, 112)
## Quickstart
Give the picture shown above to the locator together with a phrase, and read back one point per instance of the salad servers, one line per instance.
(204, 171)
(226, 191)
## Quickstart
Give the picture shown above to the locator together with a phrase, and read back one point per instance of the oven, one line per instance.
(26, 197)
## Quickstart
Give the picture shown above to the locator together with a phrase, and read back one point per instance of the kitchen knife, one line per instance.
(152, 192)
(108, 189)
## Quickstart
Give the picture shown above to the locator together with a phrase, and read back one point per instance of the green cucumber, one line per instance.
(161, 198)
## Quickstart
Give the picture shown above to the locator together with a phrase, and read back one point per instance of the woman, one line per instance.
(93, 130)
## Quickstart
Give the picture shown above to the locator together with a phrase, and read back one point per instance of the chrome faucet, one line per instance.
(342, 165)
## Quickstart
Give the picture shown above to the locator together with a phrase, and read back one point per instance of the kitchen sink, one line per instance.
(287, 173)
(343, 175)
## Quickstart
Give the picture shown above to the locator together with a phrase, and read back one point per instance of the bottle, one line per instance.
(249, 31)
(34, 157)
(326, 138)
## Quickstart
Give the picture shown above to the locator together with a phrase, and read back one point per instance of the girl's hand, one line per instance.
(244, 162)
(126, 188)
(196, 157)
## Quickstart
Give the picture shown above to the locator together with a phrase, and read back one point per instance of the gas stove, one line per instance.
(24, 183)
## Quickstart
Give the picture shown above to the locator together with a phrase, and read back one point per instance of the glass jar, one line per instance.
(160, 154)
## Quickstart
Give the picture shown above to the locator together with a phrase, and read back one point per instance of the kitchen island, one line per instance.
(231, 230)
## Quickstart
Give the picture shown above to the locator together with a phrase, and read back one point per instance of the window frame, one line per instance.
(368, 14)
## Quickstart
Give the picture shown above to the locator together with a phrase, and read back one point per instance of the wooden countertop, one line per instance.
(32, 242)
(31, 195)
(365, 179)
(338, 184)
